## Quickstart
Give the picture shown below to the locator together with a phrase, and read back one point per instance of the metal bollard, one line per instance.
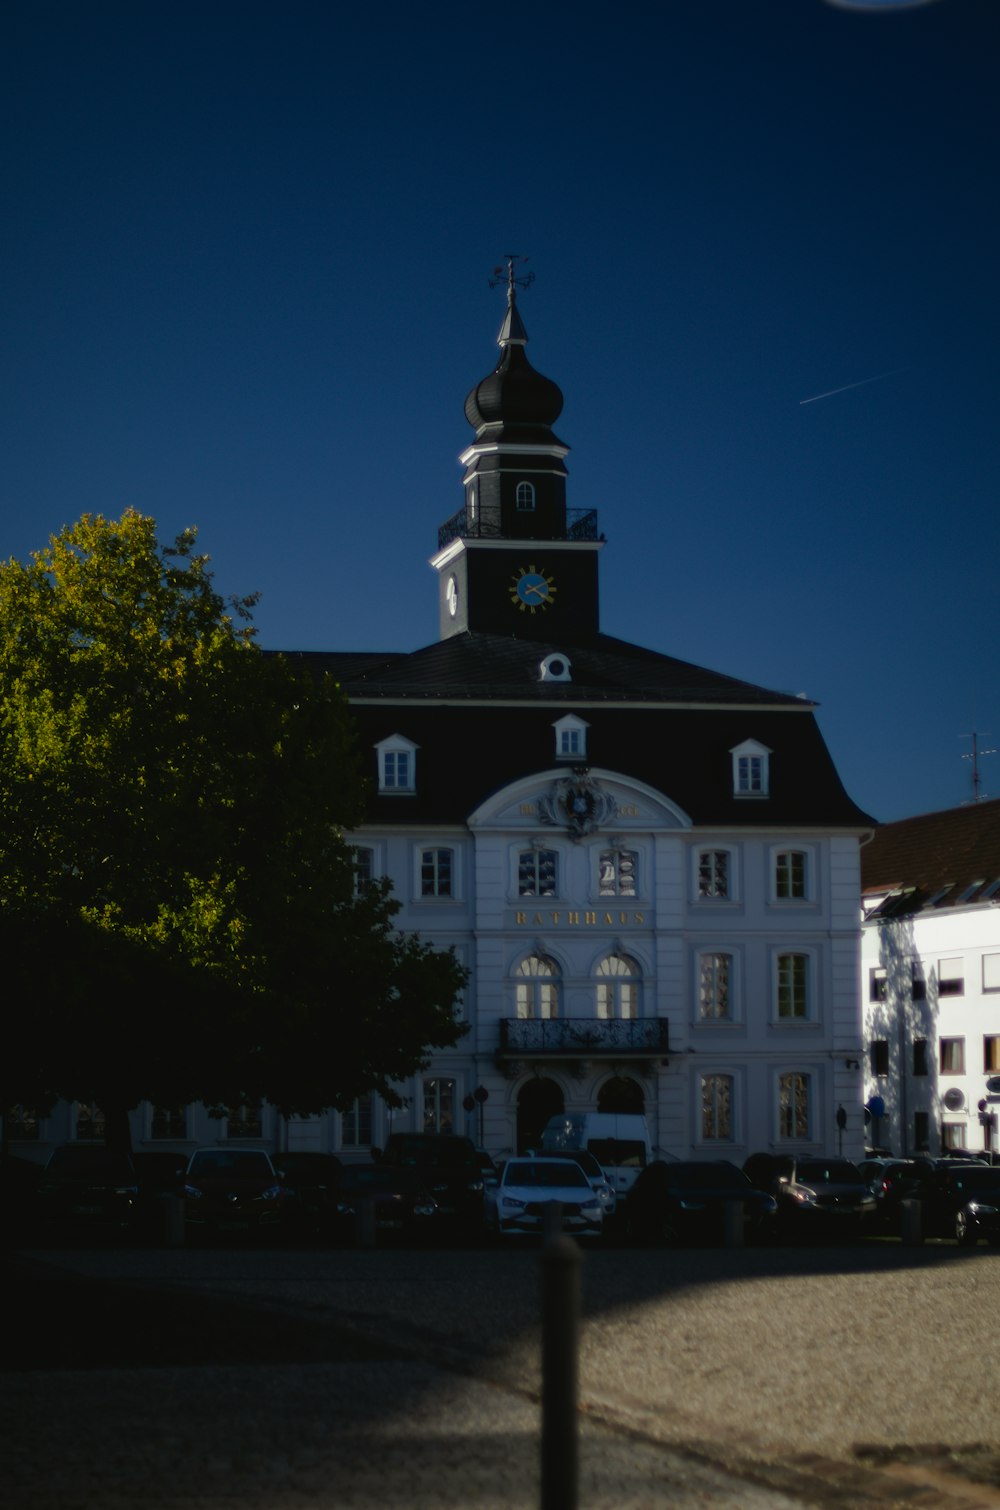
(911, 1233)
(560, 1327)
(552, 1221)
(172, 1220)
(733, 1224)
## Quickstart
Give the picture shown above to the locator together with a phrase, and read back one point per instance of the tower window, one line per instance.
(524, 497)
(571, 738)
(397, 764)
(751, 771)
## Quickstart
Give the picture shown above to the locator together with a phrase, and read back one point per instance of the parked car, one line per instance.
(229, 1190)
(892, 1181)
(598, 1178)
(401, 1206)
(311, 1182)
(962, 1200)
(449, 1168)
(516, 1205)
(88, 1186)
(814, 1195)
(686, 1201)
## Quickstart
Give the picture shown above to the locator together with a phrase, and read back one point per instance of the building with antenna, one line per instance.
(931, 977)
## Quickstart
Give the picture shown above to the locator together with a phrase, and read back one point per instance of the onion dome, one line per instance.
(515, 400)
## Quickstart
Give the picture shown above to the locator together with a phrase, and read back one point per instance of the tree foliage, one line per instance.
(177, 901)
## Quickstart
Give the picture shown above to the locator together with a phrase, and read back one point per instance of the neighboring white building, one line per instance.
(650, 870)
(931, 980)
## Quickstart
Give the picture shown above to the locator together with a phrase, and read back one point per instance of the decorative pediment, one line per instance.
(580, 803)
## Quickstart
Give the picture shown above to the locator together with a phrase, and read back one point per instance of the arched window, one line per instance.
(524, 497)
(537, 987)
(618, 987)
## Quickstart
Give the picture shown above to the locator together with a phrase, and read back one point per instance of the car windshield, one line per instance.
(979, 1177)
(828, 1172)
(355, 1177)
(706, 1176)
(91, 1161)
(246, 1163)
(541, 1172)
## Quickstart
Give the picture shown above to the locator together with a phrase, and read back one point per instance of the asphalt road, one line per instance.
(774, 1377)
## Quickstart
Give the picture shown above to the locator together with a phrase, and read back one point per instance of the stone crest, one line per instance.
(579, 803)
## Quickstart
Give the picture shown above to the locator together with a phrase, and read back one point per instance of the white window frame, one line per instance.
(734, 1138)
(432, 1089)
(537, 992)
(525, 497)
(751, 770)
(537, 848)
(352, 1123)
(732, 875)
(783, 1138)
(618, 992)
(435, 847)
(714, 951)
(811, 1014)
(808, 856)
(616, 852)
(387, 751)
(571, 737)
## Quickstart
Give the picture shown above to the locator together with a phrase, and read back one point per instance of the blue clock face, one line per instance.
(532, 590)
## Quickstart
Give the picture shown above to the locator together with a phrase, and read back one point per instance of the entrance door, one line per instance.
(537, 1101)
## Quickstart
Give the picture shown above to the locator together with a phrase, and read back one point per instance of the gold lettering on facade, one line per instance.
(590, 918)
(573, 918)
(640, 918)
(628, 810)
(539, 921)
(527, 809)
(522, 918)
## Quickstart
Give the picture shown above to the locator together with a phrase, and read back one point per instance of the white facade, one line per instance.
(931, 983)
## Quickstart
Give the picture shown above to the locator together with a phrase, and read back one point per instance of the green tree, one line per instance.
(178, 909)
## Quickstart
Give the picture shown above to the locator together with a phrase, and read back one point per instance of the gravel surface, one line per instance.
(759, 1377)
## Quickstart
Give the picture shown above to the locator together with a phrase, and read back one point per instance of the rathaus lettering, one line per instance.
(580, 919)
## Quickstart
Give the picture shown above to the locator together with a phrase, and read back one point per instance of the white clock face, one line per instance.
(451, 595)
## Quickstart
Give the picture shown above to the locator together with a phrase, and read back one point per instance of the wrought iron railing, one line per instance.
(584, 1037)
(581, 524)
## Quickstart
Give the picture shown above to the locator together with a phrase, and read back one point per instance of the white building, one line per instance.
(650, 870)
(931, 979)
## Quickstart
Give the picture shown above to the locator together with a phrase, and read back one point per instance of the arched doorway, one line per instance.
(621, 1094)
(537, 1101)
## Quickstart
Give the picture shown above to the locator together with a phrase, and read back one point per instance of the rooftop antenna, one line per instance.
(509, 276)
(975, 754)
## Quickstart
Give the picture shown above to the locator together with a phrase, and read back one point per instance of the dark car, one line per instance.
(312, 1185)
(391, 1198)
(892, 1181)
(687, 1201)
(962, 1200)
(232, 1190)
(447, 1167)
(814, 1195)
(88, 1186)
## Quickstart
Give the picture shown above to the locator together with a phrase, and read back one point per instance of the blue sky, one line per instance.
(244, 286)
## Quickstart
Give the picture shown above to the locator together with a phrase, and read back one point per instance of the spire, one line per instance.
(512, 330)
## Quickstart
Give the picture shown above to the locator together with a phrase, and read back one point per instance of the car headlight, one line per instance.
(476, 1186)
(512, 1202)
(424, 1208)
(592, 1208)
(802, 1195)
(272, 1193)
(192, 1192)
(979, 1210)
(126, 1190)
(344, 1208)
(692, 1205)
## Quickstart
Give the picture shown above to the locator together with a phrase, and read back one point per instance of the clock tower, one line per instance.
(515, 560)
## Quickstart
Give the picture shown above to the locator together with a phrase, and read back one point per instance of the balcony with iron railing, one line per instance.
(570, 1038)
(581, 524)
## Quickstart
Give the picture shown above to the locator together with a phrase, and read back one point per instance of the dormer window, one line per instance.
(397, 765)
(751, 770)
(571, 738)
(524, 497)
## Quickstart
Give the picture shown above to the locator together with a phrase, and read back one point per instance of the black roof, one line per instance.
(481, 717)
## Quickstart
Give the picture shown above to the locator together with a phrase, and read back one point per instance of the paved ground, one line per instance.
(268, 1379)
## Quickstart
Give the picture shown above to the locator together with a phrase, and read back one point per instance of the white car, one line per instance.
(515, 1205)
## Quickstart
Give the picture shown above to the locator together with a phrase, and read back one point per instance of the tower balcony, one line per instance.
(581, 524)
(581, 1040)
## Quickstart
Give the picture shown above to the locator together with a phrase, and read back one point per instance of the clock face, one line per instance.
(451, 596)
(532, 589)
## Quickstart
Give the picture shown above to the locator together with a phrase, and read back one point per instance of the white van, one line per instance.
(619, 1142)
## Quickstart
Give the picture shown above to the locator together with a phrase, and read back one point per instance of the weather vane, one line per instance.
(509, 276)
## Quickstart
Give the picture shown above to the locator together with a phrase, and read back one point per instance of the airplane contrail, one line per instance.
(876, 379)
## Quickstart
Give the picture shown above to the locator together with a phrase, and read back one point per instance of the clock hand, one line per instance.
(540, 589)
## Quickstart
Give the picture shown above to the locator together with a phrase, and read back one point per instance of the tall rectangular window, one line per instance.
(920, 1060)
(793, 1106)
(793, 986)
(439, 1106)
(436, 873)
(880, 1056)
(90, 1122)
(536, 873)
(951, 977)
(356, 1124)
(244, 1121)
(617, 873)
(991, 1053)
(21, 1123)
(717, 1108)
(921, 1131)
(790, 875)
(713, 873)
(991, 972)
(878, 984)
(364, 868)
(952, 1052)
(750, 778)
(714, 982)
(952, 1135)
